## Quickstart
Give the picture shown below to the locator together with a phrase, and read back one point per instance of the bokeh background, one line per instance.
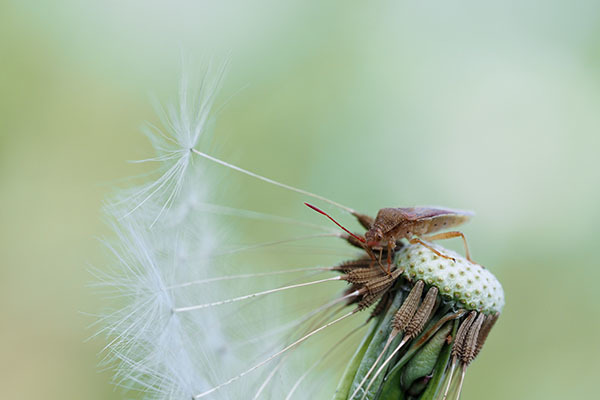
(490, 107)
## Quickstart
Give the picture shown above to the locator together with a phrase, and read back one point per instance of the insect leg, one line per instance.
(424, 244)
(389, 268)
(450, 235)
(390, 251)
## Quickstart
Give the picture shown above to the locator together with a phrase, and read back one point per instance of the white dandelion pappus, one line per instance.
(196, 317)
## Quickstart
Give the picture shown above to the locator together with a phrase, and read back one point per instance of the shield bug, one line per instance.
(412, 224)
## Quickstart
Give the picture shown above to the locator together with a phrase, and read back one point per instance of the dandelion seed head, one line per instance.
(470, 284)
(198, 314)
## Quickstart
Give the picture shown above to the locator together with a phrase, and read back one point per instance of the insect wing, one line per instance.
(419, 213)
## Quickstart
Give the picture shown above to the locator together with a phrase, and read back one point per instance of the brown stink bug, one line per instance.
(412, 224)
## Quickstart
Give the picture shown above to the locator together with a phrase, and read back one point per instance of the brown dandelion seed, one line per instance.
(423, 313)
(408, 307)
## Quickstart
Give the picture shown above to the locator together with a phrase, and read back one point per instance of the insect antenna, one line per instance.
(361, 240)
(273, 182)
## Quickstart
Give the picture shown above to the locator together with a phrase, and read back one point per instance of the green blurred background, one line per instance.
(490, 107)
